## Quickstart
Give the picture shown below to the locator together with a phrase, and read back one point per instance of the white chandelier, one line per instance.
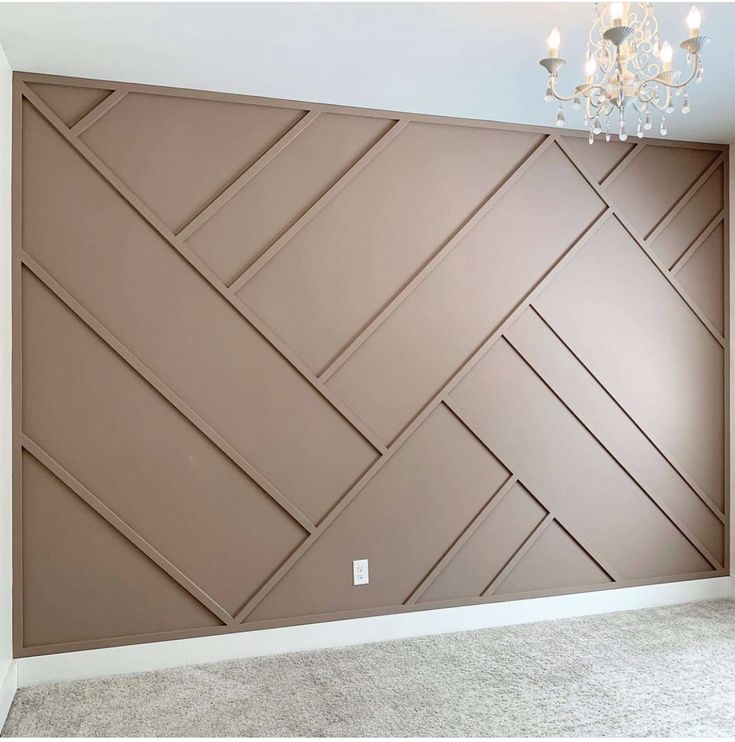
(627, 70)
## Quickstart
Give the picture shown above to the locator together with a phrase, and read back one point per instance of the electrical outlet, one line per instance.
(360, 574)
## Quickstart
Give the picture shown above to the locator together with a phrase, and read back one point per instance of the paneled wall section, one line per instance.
(256, 340)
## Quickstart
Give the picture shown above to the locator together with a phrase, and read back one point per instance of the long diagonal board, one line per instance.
(257, 339)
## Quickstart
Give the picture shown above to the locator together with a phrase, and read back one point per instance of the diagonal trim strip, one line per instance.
(685, 199)
(682, 260)
(430, 406)
(98, 112)
(522, 550)
(657, 501)
(461, 540)
(675, 465)
(620, 167)
(125, 530)
(200, 267)
(642, 244)
(439, 256)
(464, 417)
(306, 217)
(244, 178)
(168, 394)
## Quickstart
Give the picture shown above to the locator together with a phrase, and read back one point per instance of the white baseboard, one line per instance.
(159, 655)
(8, 686)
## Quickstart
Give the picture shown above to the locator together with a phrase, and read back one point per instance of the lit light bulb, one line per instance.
(662, 129)
(685, 105)
(694, 21)
(667, 54)
(616, 13)
(560, 120)
(553, 42)
(590, 67)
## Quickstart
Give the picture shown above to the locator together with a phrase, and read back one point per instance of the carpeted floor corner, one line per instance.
(657, 672)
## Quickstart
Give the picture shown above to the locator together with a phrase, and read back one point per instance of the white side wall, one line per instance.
(7, 666)
(731, 235)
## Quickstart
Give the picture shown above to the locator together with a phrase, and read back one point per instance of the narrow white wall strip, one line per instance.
(8, 686)
(142, 657)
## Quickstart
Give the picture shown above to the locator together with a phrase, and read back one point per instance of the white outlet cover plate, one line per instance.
(360, 573)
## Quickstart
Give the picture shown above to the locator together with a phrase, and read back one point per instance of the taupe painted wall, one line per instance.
(256, 340)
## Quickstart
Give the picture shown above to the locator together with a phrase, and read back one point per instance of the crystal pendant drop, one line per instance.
(662, 129)
(639, 129)
(647, 123)
(591, 137)
(607, 132)
(685, 105)
(700, 74)
(622, 135)
(597, 126)
(576, 105)
(548, 95)
(670, 107)
(560, 120)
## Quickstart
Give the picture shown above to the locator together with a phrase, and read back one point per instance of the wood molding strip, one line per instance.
(669, 216)
(643, 245)
(348, 351)
(158, 90)
(462, 539)
(245, 177)
(98, 112)
(419, 418)
(675, 465)
(165, 391)
(661, 504)
(520, 552)
(200, 267)
(618, 169)
(308, 215)
(473, 426)
(682, 260)
(125, 530)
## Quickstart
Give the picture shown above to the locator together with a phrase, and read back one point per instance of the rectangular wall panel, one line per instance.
(257, 339)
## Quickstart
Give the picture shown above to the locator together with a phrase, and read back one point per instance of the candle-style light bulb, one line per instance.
(553, 42)
(694, 21)
(616, 13)
(667, 54)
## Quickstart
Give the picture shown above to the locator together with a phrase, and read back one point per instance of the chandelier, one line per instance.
(628, 70)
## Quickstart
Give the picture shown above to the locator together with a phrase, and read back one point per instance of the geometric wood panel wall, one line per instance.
(258, 339)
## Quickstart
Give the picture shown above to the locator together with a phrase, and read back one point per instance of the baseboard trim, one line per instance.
(156, 656)
(8, 687)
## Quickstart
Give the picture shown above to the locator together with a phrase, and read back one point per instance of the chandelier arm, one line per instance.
(577, 93)
(676, 85)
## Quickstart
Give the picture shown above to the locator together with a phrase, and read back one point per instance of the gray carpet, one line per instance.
(656, 672)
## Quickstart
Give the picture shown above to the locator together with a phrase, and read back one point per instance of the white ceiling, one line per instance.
(460, 59)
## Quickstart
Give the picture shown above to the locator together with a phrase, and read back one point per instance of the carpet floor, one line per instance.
(656, 672)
